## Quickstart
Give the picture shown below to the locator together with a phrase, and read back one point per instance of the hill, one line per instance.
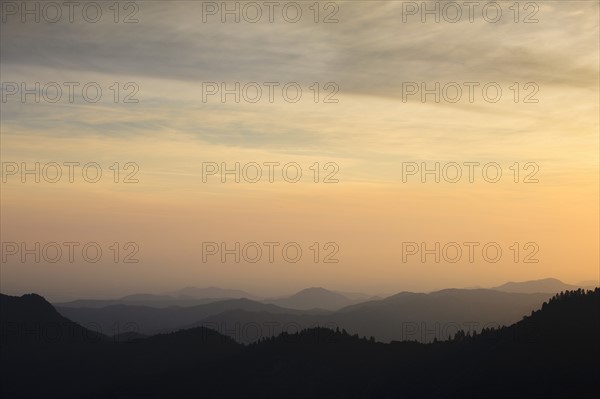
(547, 285)
(213, 292)
(116, 319)
(404, 316)
(45, 355)
(551, 353)
(313, 298)
(188, 296)
(31, 320)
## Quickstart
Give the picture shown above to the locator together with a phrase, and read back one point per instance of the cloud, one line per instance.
(369, 53)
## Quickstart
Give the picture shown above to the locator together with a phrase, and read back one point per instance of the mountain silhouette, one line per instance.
(313, 298)
(550, 353)
(30, 319)
(547, 285)
(46, 355)
(404, 316)
(116, 319)
(213, 293)
(188, 296)
(155, 301)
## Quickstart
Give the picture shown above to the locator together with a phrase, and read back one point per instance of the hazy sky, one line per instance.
(170, 61)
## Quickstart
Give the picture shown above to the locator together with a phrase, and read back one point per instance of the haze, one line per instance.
(371, 134)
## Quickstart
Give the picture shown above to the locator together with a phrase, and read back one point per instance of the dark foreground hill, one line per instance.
(31, 320)
(553, 353)
(44, 355)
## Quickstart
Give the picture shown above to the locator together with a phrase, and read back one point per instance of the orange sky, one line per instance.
(367, 138)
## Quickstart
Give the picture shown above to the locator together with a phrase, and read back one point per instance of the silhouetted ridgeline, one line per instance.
(404, 316)
(31, 320)
(552, 353)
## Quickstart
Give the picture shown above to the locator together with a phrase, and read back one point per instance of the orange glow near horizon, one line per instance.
(366, 141)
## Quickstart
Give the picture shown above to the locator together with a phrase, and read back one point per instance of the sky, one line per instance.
(371, 94)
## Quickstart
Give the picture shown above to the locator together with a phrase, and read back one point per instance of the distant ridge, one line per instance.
(320, 298)
(213, 292)
(188, 296)
(313, 298)
(150, 320)
(547, 285)
(406, 315)
(552, 353)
